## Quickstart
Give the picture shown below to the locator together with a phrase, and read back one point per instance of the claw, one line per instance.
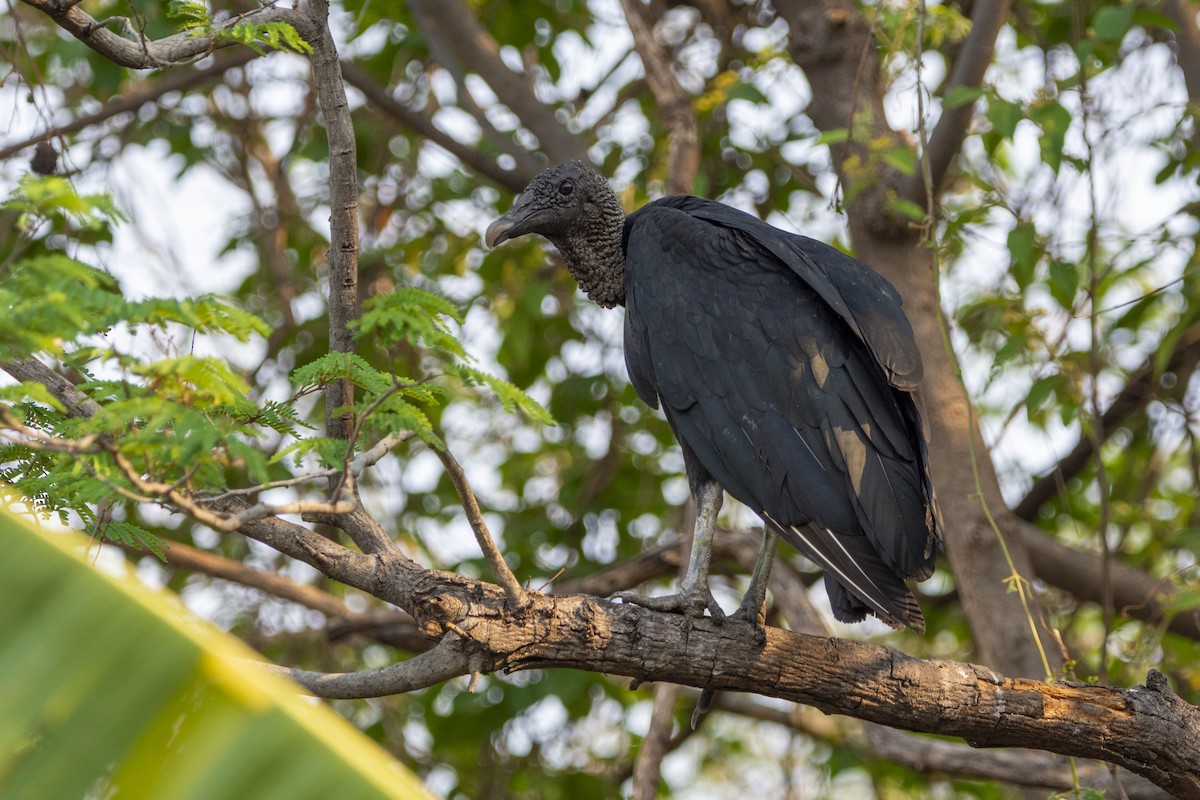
(757, 617)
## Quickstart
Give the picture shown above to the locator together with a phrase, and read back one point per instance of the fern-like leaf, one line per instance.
(510, 396)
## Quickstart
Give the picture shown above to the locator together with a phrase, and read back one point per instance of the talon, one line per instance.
(756, 619)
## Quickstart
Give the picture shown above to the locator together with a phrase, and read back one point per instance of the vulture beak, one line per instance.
(519, 220)
(497, 232)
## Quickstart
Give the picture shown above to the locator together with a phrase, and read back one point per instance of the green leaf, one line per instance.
(510, 396)
(1041, 391)
(110, 690)
(333, 367)
(1004, 116)
(962, 95)
(1054, 120)
(906, 208)
(834, 136)
(1023, 246)
(411, 315)
(1064, 282)
(1111, 23)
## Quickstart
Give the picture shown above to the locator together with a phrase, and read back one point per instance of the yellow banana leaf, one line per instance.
(109, 690)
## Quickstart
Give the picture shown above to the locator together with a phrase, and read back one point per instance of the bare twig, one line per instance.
(972, 62)
(517, 596)
(175, 81)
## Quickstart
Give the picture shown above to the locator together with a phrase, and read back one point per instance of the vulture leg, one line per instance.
(753, 609)
(694, 597)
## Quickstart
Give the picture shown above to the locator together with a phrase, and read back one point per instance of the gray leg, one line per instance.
(694, 596)
(754, 602)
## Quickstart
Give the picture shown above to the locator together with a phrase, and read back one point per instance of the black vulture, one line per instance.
(787, 371)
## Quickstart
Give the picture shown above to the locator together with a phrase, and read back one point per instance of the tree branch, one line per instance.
(1141, 387)
(171, 50)
(1029, 768)
(378, 97)
(343, 211)
(448, 660)
(480, 53)
(517, 596)
(647, 767)
(1147, 729)
(194, 559)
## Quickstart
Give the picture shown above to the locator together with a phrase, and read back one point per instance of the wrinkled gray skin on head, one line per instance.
(573, 206)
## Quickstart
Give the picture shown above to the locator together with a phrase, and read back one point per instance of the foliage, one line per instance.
(192, 16)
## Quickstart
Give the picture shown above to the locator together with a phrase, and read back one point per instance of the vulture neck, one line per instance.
(595, 254)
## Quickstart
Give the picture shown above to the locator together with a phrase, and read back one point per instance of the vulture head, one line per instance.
(573, 206)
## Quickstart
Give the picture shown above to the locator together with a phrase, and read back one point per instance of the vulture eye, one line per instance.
(565, 188)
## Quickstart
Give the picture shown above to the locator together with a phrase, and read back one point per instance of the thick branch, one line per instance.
(1146, 729)
(674, 104)
(1029, 768)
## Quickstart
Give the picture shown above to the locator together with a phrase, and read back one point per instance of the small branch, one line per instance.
(448, 660)
(674, 104)
(175, 81)
(1141, 387)
(191, 558)
(33, 371)
(383, 102)
(972, 62)
(518, 598)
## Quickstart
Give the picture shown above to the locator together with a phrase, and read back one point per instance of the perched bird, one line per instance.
(787, 371)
